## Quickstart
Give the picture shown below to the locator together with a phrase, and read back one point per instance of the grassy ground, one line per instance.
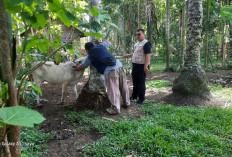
(166, 130)
(224, 93)
(32, 142)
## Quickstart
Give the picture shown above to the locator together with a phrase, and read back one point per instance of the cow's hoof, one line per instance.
(39, 105)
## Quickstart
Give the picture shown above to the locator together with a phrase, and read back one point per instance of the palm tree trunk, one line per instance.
(207, 36)
(167, 33)
(191, 81)
(183, 34)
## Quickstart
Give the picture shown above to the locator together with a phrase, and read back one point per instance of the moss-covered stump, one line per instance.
(192, 82)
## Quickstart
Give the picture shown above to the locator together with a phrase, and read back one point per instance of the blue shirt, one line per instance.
(87, 62)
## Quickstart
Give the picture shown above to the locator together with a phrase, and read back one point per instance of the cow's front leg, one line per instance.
(37, 95)
(37, 100)
(64, 84)
(75, 91)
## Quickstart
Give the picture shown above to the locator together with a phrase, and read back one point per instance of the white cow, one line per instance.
(58, 74)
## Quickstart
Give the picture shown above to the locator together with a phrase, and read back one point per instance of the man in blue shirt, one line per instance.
(111, 68)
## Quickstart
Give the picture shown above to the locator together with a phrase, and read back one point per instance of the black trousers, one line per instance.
(138, 77)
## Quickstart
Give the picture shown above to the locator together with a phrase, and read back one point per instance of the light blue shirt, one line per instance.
(87, 62)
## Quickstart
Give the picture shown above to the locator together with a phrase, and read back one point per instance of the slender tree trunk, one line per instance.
(223, 53)
(191, 81)
(183, 18)
(223, 42)
(149, 19)
(207, 36)
(139, 14)
(230, 34)
(8, 77)
(223, 47)
(230, 50)
(167, 33)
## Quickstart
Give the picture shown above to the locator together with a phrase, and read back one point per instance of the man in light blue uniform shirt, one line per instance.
(112, 69)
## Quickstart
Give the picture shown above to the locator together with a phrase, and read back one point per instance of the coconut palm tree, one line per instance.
(191, 81)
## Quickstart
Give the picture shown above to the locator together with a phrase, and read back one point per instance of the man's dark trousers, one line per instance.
(138, 77)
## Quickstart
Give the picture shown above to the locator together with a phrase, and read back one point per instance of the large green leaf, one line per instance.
(41, 20)
(70, 16)
(14, 9)
(34, 87)
(31, 19)
(61, 14)
(14, 2)
(21, 116)
(32, 42)
(104, 17)
(1, 124)
(54, 5)
(58, 58)
(97, 35)
(43, 45)
(94, 11)
(112, 24)
(27, 2)
(94, 26)
(70, 49)
(57, 38)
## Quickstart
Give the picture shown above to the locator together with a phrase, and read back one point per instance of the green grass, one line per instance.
(83, 117)
(224, 93)
(165, 131)
(157, 84)
(33, 142)
(157, 65)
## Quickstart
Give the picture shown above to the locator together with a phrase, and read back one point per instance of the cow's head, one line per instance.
(79, 61)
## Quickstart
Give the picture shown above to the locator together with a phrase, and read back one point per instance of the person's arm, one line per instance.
(83, 65)
(128, 55)
(147, 51)
(147, 62)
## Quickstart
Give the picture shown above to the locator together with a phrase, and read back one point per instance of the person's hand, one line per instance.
(83, 52)
(146, 70)
(74, 68)
(98, 41)
(126, 56)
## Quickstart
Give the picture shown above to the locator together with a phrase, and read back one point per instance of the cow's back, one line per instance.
(54, 74)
